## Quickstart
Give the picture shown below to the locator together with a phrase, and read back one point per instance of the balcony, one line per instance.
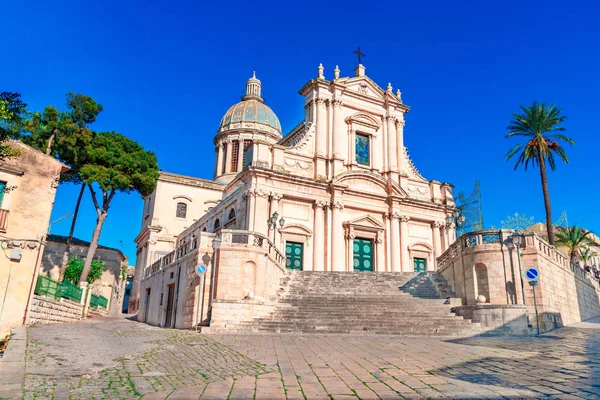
(4, 220)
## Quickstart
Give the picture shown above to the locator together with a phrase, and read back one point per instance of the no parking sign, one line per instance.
(201, 270)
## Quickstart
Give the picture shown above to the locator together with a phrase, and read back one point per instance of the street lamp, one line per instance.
(273, 223)
(518, 242)
(456, 218)
(216, 243)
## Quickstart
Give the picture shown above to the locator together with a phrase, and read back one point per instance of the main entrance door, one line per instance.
(420, 264)
(363, 255)
(293, 253)
(170, 300)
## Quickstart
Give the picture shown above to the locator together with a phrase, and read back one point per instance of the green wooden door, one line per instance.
(363, 255)
(420, 264)
(293, 253)
(2, 187)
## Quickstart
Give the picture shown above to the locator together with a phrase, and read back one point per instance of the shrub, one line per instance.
(75, 266)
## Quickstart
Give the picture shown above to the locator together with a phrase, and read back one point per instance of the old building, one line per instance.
(339, 192)
(28, 185)
(112, 283)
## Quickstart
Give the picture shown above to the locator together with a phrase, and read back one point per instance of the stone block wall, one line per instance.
(97, 312)
(45, 310)
(481, 263)
(229, 314)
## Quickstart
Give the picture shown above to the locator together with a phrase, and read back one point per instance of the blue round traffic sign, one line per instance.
(532, 274)
(201, 269)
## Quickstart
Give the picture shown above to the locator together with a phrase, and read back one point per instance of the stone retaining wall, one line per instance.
(97, 312)
(45, 310)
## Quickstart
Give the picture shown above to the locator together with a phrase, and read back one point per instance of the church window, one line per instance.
(217, 224)
(181, 210)
(235, 152)
(361, 151)
(247, 145)
(232, 214)
(224, 158)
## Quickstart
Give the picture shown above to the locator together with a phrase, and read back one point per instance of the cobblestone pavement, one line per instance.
(120, 359)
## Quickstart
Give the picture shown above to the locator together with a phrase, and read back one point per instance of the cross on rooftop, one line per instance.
(359, 54)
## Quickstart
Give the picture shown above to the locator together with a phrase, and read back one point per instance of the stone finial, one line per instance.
(360, 70)
(321, 69)
(336, 72)
(399, 95)
(389, 88)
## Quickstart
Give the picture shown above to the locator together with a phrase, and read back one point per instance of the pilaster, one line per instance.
(437, 247)
(395, 242)
(338, 255)
(406, 267)
(319, 235)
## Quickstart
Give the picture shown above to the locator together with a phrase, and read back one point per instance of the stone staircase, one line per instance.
(362, 303)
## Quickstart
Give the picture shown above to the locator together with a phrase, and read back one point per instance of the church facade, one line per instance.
(339, 192)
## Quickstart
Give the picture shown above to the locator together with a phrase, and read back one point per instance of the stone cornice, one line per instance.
(190, 181)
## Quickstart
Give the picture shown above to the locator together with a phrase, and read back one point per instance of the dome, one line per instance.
(251, 113)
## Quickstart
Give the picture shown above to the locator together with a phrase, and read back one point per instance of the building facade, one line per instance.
(346, 192)
(110, 285)
(27, 188)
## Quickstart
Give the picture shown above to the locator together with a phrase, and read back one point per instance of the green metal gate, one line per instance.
(420, 264)
(363, 255)
(293, 253)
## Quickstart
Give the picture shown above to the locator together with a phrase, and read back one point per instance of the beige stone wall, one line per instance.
(45, 310)
(160, 224)
(566, 294)
(110, 285)
(35, 177)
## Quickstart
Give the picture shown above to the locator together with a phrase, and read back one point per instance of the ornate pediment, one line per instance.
(364, 119)
(364, 86)
(366, 222)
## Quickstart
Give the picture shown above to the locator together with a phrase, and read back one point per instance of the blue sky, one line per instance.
(166, 72)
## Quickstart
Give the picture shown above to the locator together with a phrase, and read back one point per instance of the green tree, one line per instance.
(13, 112)
(575, 239)
(115, 164)
(586, 255)
(67, 136)
(75, 267)
(538, 125)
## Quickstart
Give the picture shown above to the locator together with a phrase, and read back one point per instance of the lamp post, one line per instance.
(518, 241)
(457, 218)
(216, 243)
(273, 224)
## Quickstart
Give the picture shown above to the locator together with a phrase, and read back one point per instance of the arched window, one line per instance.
(232, 214)
(217, 224)
(181, 211)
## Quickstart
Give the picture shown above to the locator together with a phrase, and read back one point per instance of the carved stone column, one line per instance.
(219, 166)
(400, 144)
(377, 151)
(321, 139)
(380, 252)
(338, 254)
(321, 135)
(391, 143)
(319, 238)
(229, 155)
(406, 267)
(338, 137)
(388, 241)
(240, 163)
(437, 246)
(395, 242)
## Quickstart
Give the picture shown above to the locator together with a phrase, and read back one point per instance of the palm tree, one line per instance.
(586, 255)
(575, 238)
(538, 124)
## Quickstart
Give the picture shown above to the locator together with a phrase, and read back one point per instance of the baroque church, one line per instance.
(338, 192)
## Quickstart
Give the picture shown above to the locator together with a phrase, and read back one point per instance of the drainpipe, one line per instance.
(36, 272)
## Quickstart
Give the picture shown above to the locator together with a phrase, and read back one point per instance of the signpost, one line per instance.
(200, 271)
(532, 274)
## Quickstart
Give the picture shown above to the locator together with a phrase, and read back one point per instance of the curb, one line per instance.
(12, 365)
